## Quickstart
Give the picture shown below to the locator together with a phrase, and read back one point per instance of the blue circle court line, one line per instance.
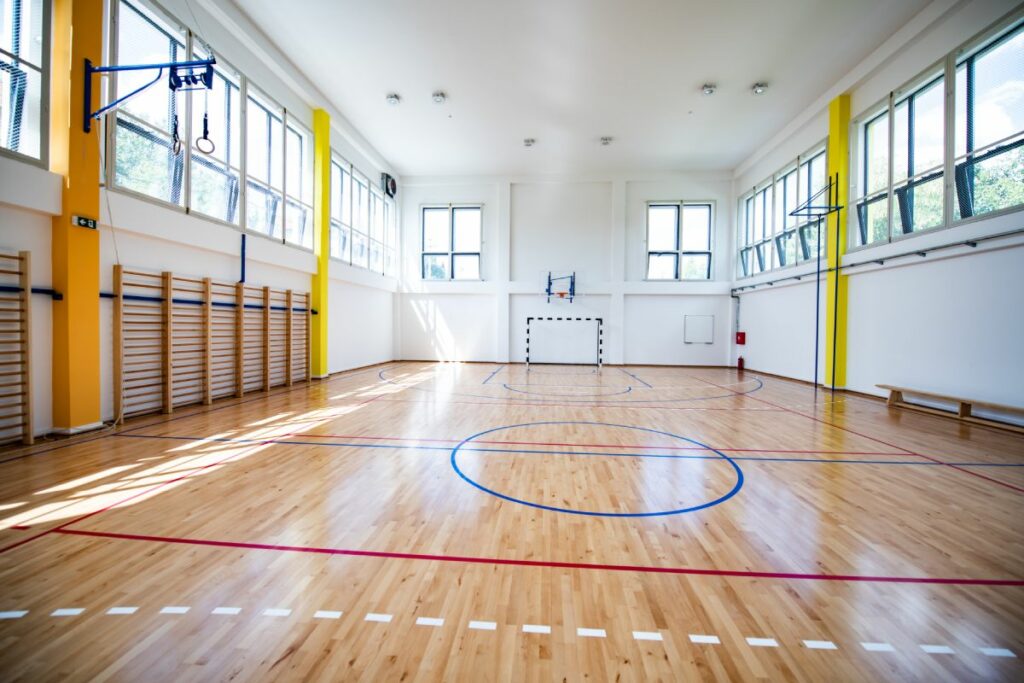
(592, 513)
(537, 393)
(760, 385)
(670, 456)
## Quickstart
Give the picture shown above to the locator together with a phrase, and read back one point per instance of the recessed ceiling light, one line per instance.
(393, 99)
(606, 140)
(758, 88)
(529, 142)
(708, 88)
(439, 96)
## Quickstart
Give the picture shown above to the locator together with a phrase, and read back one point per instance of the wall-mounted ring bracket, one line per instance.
(192, 75)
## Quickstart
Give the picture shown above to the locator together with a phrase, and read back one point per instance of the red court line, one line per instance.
(60, 528)
(872, 438)
(590, 445)
(546, 563)
(498, 402)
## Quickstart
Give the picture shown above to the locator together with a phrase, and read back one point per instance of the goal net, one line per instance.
(563, 341)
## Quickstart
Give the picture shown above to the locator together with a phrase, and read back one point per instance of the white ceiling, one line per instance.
(567, 72)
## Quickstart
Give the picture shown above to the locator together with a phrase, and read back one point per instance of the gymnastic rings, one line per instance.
(204, 144)
(175, 140)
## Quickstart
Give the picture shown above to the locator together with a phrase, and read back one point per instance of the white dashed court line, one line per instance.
(14, 614)
(762, 642)
(591, 633)
(227, 610)
(67, 612)
(429, 621)
(646, 635)
(483, 625)
(174, 609)
(820, 645)
(122, 610)
(536, 628)
(996, 652)
(276, 612)
(327, 614)
(878, 647)
(704, 640)
(380, 618)
(937, 649)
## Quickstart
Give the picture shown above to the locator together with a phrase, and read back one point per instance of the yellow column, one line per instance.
(836, 282)
(75, 252)
(321, 239)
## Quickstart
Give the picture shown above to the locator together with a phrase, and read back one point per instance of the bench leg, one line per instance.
(965, 409)
(894, 398)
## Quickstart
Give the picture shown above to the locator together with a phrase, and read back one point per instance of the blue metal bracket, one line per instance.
(192, 75)
(572, 285)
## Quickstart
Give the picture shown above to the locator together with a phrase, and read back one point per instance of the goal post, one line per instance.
(564, 340)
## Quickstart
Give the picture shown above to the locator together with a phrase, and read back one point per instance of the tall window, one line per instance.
(902, 146)
(341, 211)
(360, 220)
(217, 121)
(298, 184)
(150, 127)
(451, 242)
(679, 241)
(198, 162)
(264, 147)
(769, 235)
(989, 146)
(24, 58)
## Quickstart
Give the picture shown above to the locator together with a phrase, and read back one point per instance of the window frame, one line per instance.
(949, 170)
(43, 69)
(451, 253)
(766, 249)
(192, 40)
(679, 252)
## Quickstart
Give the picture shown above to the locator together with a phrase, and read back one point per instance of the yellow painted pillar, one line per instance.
(75, 251)
(321, 239)
(836, 282)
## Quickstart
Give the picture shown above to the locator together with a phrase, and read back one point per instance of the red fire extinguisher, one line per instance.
(739, 364)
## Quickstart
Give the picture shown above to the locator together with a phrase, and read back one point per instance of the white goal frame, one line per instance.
(598, 346)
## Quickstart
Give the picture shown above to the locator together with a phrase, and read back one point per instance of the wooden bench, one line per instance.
(965, 407)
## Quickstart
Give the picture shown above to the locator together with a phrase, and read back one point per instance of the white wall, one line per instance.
(595, 226)
(948, 322)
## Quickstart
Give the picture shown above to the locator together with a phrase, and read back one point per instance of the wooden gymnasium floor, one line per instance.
(415, 521)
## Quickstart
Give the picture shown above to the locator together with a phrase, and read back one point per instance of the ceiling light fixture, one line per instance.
(759, 88)
(529, 142)
(393, 99)
(606, 140)
(708, 88)
(439, 96)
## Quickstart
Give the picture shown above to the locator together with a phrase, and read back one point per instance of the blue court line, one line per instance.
(340, 444)
(284, 390)
(636, 378)
(493, 373)
(595, 386)
(594, 401)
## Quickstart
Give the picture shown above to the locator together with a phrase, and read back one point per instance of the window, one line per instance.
(989, 145)
(198, 161)
(452, 238)
(341, 211)
(24, 59)
(217, 115)
(769, 235)
(264, 148)
(360, 220)
(148, 125)
(679, 241)
(298, 182)
(902, 146)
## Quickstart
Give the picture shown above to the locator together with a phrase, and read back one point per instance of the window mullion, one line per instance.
(949, 140)
(890, 162)
(243, 144)
(186, 200)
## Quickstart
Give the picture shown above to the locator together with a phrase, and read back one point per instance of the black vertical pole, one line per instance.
(817, 310)
(835, 298)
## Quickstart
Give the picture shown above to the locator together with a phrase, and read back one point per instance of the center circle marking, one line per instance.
(658, 513)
